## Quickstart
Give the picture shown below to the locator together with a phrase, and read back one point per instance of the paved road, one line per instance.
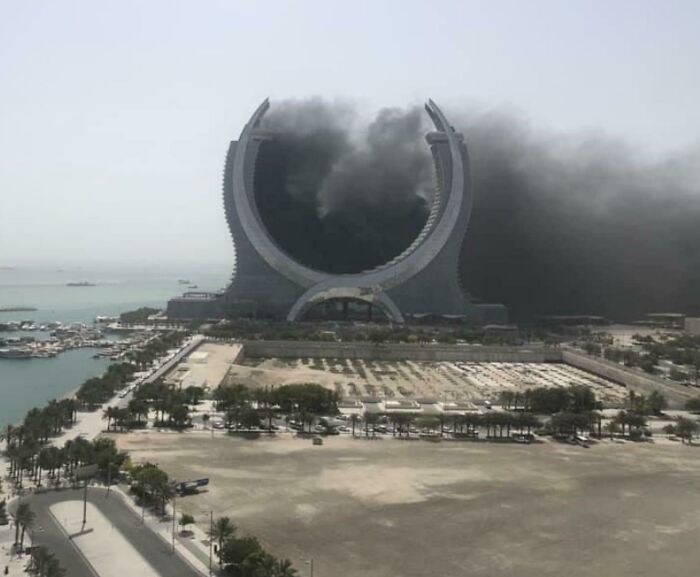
(163, 369)
(48, 532)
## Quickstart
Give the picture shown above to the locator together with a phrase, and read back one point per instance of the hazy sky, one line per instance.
(115, 116)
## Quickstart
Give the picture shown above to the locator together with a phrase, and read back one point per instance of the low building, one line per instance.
(692, 325)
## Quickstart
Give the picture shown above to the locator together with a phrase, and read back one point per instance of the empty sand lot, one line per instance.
(386, 508)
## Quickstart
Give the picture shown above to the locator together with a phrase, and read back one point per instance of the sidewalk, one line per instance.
(108, 552)
(195, 549)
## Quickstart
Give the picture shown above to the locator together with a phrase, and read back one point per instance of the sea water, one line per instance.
(27, 383)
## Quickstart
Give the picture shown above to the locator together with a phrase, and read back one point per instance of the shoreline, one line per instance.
(91, 421)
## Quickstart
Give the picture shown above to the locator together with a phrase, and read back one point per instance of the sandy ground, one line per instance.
(385, 508)
(443, 381)
(208, 372)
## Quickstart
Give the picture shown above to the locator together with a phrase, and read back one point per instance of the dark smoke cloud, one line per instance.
(561, 224)
(337, 199)
(579, 224)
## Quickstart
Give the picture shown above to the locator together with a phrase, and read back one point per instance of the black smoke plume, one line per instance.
(338, 200)
(579, 224)
(576, 224)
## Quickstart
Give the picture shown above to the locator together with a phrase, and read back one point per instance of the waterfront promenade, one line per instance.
(88, 425)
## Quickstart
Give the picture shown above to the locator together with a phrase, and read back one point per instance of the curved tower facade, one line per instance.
(422, 280)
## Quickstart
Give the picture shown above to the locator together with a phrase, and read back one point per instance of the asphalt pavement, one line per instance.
(48, 532)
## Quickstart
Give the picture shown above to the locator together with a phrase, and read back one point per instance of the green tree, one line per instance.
(24, 519)
(235, 552)
(284, 568)
(185, 520)
(3, 513)
(354, 419)
(693, 405)
(656, 403)
(249, 418)
(669, 429)
(44, 564)
(686, 428)
(612, 427)
(222, 530)
(151, 481)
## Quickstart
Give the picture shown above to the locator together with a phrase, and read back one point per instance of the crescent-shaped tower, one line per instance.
(422, 280)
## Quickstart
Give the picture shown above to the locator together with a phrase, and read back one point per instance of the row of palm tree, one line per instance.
(157, 346)
(98, 390)
(26, 442)
(58, 462)
(171, 406)
(495, 423)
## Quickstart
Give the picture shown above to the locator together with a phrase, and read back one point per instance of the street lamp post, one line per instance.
(310, 563)
(211, 533)
(174, 515)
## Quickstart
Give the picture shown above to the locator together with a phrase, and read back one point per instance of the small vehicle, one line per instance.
(582, 440)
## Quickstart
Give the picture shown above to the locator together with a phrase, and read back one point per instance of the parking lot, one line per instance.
(443, 381)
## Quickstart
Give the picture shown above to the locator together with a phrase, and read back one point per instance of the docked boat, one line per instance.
(15, 354)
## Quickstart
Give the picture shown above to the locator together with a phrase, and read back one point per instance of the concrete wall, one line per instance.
(398, 352)
(634, 379)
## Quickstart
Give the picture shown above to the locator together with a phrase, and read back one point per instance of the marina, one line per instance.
(112, 341)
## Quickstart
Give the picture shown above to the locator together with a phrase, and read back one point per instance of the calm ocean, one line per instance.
(26, 383)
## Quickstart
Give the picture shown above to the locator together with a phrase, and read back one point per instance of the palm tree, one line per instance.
(109, 413)
(612, 427)
(24, 517)
(185, 520)
(45, 564)
(354, 419)
(222, 530)
(44, 461)
(284, 569)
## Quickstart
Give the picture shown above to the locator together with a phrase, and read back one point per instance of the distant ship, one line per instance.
(16, 309)
(183, 281)
(81, 283)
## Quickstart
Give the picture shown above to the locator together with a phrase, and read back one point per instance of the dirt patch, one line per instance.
(387, 508)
